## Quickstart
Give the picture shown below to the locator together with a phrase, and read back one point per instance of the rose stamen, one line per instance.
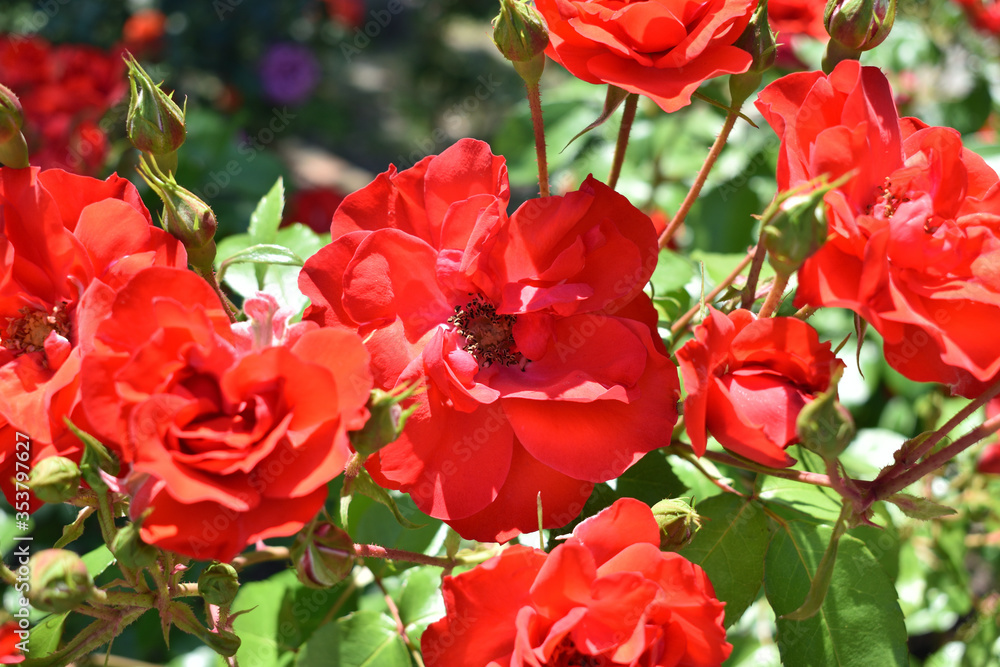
(28, 332)
(488, 335)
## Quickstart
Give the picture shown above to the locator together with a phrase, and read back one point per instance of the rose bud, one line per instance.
(678, 523)
(55, 479)
(218, 584)
(795, 226)
(519, 32)
(758, 41)
(13, 148)
(129, 548)
(824, 425)
(385, 423)
(323, 557)
(155, 124)
(186, 217)
(59, 581)
(859, 24)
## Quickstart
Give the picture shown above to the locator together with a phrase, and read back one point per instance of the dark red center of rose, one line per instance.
(28, 331)
(567, 655)
(488, 335)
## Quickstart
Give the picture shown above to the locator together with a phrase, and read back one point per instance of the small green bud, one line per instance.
(155, 124)
(824, 425)
(324, 557)
(218, 584)
(386, 422)
(59, 581)
(129, 548)
(678, 523)
(188, 218)
(55, 479)
(225, 643)
(520, 35)
(859, 24)
(13, 147)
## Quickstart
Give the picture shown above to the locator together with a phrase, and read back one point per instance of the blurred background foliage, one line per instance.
(328, 94)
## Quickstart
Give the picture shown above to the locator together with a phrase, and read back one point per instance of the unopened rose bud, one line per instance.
(55, 479)
(386, 422)
(824, 426)
(859, 24)
(59, 581)
(519, 32)
(218, 584)
(678, 523)
(155, 124)
(13, 148)
(757, 40)
(186, 217)
(324, 557)
(129, 548)
(794, 226)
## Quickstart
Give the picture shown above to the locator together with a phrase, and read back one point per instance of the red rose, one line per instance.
(913, 236)
(796, 17)
(67, 243)
(313, 207)
(661, 49)
(9, 639)
(605, 596)
(989, 459)
(747, 379)
(983, 14)
(538, 349)
(232, 433)
(65, 91)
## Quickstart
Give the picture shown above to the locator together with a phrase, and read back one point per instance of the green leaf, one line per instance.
(650, 480)
(859, 623)
(673, 271)
(95, 458)
(262, 253)
(730, 547)
(364, 484)
(420, 602)
(45, 635)
(800, 502)
(265, 220)
(74, 530)
(98, 560)
(363, 639)
(919, 508)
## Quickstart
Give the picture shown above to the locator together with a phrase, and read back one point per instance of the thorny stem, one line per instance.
(535, 104)
(774, 296)
(813, 478)
(231, 309)
(260, 556)
(400, 626)
(750, 291)
(699, 181)
(628, 115)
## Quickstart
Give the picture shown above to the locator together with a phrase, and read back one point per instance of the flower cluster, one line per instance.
(65, 90)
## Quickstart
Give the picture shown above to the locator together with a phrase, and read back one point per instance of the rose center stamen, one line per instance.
(488, 335)
(28, 332)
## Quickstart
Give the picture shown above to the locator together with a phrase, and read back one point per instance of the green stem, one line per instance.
(628, 116)
(816, 479)
(535, 104)
(699, 182)
(375, 551)
(91, 638)
(260, 556)
(231, 309)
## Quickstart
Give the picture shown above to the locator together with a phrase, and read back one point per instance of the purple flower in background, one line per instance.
(289, 73)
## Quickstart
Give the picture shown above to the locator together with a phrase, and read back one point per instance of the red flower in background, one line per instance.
(65, 90)
(661, 49)
(747, 379)
(543, 369)
(605, 596)
(67, 243)
(989, 459)
(9, 639)
(313, 207)
(914, 234)
(983, 14)
(788, 18)
(232, 433)
(143, 33)
(351, 13)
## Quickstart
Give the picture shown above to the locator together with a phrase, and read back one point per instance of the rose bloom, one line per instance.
(538, 351)
(747, 379)
(983, 14)
(788, 18)
(313, 207)
(606, 596)
(143, 33)
(9, 639)
(65, 91)
(66, 242)
(661, 49)
(229, 434)
(914, 234)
